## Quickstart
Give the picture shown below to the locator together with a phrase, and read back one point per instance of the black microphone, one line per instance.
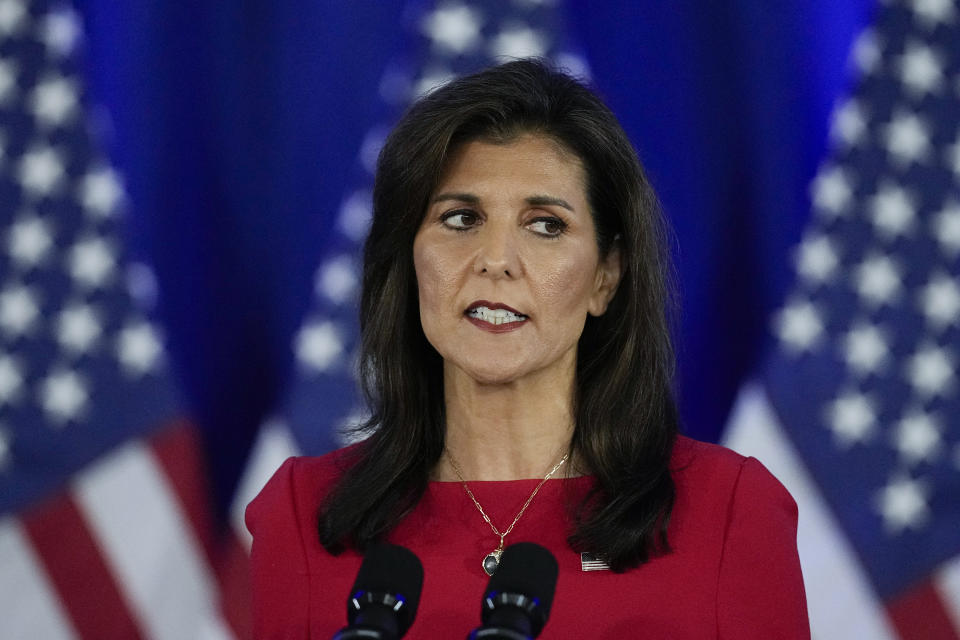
(519, 595)
(384, 598)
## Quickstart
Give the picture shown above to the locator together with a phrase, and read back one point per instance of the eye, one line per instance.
(548, 226)
(461, 219)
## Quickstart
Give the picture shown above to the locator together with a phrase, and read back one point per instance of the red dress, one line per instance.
(733, 571)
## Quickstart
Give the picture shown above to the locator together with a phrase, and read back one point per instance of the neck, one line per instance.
(507, 431)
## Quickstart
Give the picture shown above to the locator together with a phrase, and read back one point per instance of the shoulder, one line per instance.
(300, 482)
(716, 479)
(694, 463)
(689, 454)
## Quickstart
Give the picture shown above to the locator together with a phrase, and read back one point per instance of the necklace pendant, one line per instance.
(491, 562)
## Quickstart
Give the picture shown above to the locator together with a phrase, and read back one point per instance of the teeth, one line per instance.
(495, 316)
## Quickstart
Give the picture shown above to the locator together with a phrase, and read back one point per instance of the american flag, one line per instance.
(104, 527)
(441, 41)
(858, 407)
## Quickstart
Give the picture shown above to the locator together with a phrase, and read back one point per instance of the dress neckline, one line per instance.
(574, 480)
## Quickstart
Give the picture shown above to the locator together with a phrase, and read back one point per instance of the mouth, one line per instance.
(495, 314)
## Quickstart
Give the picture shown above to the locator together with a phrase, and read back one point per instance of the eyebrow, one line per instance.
(536, 201)
(549, 201)
(469, 198)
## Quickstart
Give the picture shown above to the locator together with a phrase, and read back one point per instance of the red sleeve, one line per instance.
(760, 588)
(278, 560)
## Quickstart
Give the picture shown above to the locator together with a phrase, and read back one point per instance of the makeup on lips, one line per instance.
(495, 317)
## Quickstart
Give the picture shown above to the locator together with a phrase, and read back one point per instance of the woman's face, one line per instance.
(507, 261)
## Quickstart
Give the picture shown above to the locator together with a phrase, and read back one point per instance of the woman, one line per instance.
(516, 357)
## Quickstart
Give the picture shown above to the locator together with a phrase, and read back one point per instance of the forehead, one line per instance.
(525, 158)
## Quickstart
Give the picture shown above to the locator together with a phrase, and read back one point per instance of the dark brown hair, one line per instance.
(625, 414)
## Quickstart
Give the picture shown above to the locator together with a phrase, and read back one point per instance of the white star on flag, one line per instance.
(100, 191)
(60, 32)
(355, 215)
(907, 138)
(41, 171)
(877, 280)
(917, 437)
(799, 326)
(930, 370)
(12, 16)
(370, 148)
(18, 310)
(865, 348)
(454, 29)
(832, 191)
(866, 52)
(849, 123)
(54, 100)
(64, 396)
(142, 284)
(903, 504)
(893, 211)
(518, 41)
(337, 279)
(940, 300)
(817, 259)
(91, 262)
(934, 12)
(30, 241)
(319, 345)
(852, 419)
(78, 328)
(138, 348)
(921, 70)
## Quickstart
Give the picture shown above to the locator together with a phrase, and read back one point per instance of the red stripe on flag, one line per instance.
(919, 614)
(179, 451)
(76, 567)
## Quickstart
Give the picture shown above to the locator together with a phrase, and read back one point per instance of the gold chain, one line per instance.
(456, 468)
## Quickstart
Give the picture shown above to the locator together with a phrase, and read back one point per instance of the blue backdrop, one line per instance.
(236, 126)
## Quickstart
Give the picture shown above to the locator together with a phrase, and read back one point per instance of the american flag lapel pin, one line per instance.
(590, 562)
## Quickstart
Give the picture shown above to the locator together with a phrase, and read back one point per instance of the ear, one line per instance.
(608, 277)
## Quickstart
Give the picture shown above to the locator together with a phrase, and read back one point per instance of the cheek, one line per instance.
(566, 284)
(435, 275)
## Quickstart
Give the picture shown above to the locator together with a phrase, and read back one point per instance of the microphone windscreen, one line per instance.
(389, 568)
(529, 569)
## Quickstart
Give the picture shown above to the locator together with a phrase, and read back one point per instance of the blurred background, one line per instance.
(184, 191)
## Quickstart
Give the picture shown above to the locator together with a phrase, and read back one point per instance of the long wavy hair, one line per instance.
(625, 416)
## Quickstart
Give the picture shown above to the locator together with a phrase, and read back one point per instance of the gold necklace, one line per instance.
(492, 559)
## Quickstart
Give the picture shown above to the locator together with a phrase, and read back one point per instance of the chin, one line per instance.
(494, 373)
(493, 377)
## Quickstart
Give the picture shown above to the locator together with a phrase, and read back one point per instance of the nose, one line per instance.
(498, 256)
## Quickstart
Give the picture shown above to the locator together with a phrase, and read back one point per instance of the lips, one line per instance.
(493, 306)
(494, 315)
